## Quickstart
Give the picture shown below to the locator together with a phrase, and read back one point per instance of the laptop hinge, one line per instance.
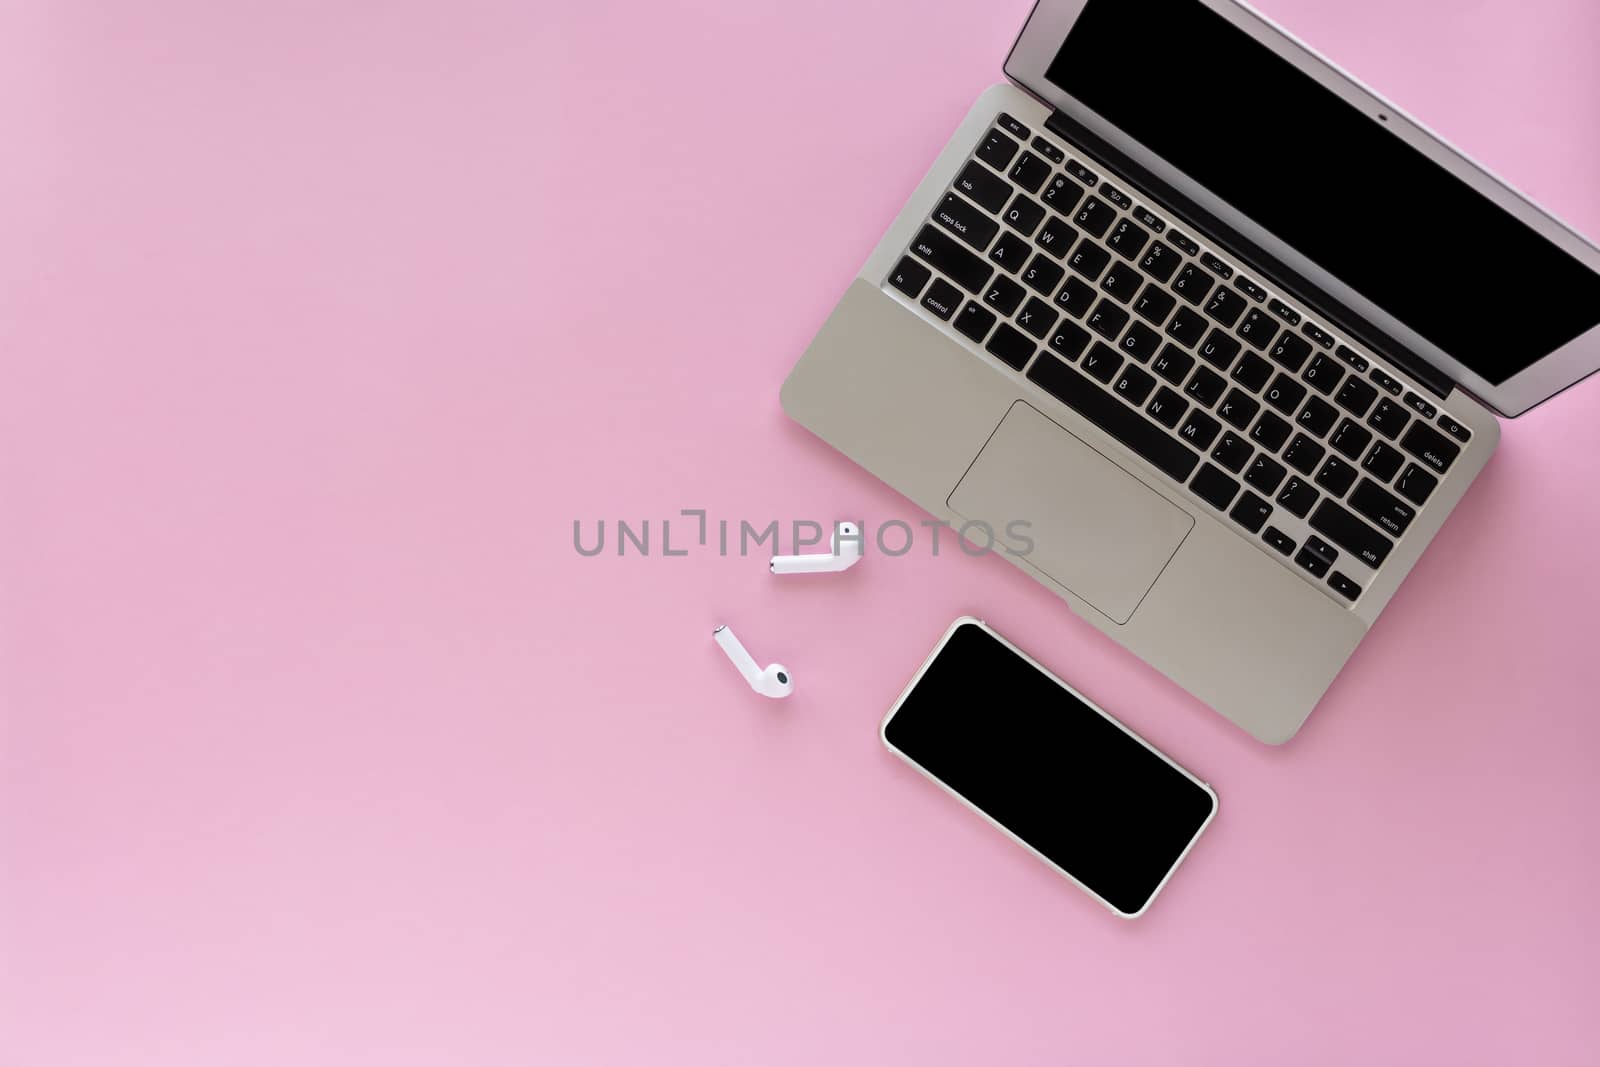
(1247, 250)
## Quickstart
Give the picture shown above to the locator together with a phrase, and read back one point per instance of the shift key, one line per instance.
(950, 259)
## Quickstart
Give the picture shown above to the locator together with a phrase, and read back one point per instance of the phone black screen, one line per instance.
(1329, 180)
(1065, 779)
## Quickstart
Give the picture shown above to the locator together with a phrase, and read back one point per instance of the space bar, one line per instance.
(1113, 416)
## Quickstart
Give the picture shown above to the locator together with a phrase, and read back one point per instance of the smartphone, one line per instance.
(1062, 778)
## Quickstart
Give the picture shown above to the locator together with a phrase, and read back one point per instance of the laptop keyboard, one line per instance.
(1063, 274)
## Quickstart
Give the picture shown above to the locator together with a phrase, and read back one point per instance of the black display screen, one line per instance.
(1328, 180)
(1070, 782)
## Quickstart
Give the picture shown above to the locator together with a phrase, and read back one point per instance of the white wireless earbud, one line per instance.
(774, 681)
(846, 553)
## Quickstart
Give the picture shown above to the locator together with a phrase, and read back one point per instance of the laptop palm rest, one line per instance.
(1095, 528)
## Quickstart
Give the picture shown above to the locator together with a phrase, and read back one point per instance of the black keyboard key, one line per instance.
(966, 221)
(1172, 364)
(1187, 327)
(1285, 394)
(1336, 476)
(1010, 346)
(909, 276)
(1013, 125)
(1184, 243)
(1116, 196)
(1150, 219)
(1082, 173)
(1278, 540)
(984, 186)
(1219, 350)
(1313, 560)
(1356, 360)
(1388, 418)
(1140, 342)
(1420, 406)
(1214, 487)
(1225, 306)
(1199, 429)
(1351, 534)
(1250, 289)
(1215, 265)
(1297, 497)
(1048, 150)
(1154, 304)
(1094, 216)
(1192, 284)
(949, 258)
(1037, 317)
(1284, 312)
(1004, 294)
(1061, 195)
(942, 299)
(1259, 330)
(1317, 334)
(1232, 452)
(1303, 454)
(1415, 484)
(1290, 352)
(1382, 462)
(1252, 372)
(1076, 297)
(1055, 237)
(1133, 385)
(1023, 215)
(1270, 432)
(1011, 251)
(1317, 416)
(1265, 473)
(1251, 512)
(1350, 439)
(974, 321)
(1343, 586)
(1356, 396)
(1126, 239)
(1167, 407)
(1042, 276)
(1205, 386)
(1238, 409)
(1089, 260)
(1385, 382)
(1159, 262)
(1107, 320)
(1386, 511)
(997, 150)
(1069, 340)
(1121, 281)
(1454, 429)
(1118, 420)
(1030, 171)
(1433, 448)
(1324, 373)
(1101, 363)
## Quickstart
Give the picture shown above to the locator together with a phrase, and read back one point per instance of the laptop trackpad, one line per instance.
(1096, 529)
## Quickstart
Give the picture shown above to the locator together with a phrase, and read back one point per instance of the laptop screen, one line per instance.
(1328, 180)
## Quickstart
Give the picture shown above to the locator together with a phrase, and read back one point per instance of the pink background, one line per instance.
(321, 323)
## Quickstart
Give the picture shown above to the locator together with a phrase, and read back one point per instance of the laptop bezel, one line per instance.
(1041, 39)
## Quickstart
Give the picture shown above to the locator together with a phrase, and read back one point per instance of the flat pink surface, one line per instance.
(321, 323)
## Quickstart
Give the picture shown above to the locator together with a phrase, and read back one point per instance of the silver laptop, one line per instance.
(1219, 331)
